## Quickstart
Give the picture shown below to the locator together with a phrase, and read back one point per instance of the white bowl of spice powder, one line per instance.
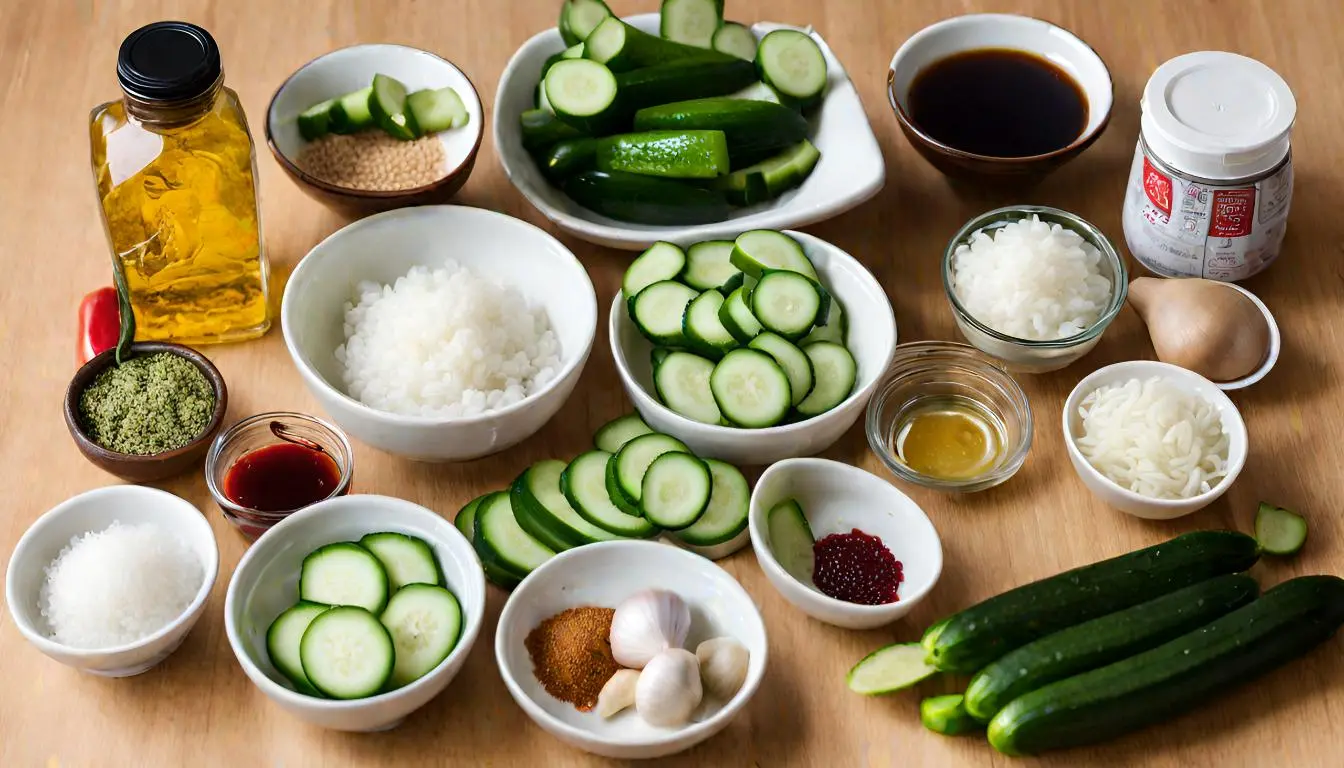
(323, 127)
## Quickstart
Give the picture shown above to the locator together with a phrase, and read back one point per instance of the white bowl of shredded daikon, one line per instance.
(1152, 439)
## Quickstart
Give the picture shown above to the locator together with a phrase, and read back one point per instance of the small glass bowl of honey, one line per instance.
(948, 417)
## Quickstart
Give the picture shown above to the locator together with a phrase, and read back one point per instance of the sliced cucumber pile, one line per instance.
(372, 616)
(745, 333)
(702, 100)
(386, 104)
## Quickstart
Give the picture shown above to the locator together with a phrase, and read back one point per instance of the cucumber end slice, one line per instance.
(889, 669)
(1279, 531)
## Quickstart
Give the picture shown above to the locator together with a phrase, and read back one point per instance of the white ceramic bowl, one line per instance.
(1124, 499)
(837, 498)
(872, 341)
(384, 247)
(265, 583)
(851, 169)
(94, 511)
(603, 575)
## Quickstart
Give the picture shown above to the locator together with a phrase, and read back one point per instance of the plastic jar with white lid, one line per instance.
(1212, 178)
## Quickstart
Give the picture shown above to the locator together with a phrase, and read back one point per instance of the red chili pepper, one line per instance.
(99, 323)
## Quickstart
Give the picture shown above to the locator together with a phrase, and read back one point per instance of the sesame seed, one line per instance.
(374, 161)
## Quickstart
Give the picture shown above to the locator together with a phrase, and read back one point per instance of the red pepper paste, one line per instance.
(856, 568)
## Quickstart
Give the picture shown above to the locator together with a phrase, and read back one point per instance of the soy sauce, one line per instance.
(998, 103)
(281, 477)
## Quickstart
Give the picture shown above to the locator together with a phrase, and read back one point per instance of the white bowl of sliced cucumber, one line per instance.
(768, 167)
(751, 350)
(319, 611)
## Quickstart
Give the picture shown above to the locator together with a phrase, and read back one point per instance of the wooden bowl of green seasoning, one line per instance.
(149, 418)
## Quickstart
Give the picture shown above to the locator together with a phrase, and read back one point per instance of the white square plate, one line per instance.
(851, 169)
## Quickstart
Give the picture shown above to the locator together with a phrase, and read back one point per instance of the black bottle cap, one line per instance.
(168, 61)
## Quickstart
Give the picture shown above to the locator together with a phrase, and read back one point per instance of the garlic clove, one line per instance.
(618, 693)
(723, 666)
(1202, 325)
(646, 624)
(669, 690)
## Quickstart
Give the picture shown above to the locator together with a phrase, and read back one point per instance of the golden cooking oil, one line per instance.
(949, 437)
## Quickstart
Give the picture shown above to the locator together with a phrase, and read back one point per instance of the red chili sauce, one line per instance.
(281, 478)
(856, 568)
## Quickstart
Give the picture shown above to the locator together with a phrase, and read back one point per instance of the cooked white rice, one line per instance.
(1031, 280)
(1154, 438)
(445, 343)
(115, 586)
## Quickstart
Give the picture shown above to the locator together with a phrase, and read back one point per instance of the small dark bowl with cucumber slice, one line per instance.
(334, 93)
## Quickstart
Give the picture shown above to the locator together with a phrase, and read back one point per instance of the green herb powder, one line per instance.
(148, 404)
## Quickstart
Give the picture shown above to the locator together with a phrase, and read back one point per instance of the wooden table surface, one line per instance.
(57, 60)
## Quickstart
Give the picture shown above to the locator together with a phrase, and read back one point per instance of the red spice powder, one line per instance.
(856, 568)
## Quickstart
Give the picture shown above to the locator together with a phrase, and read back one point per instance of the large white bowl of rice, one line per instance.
(440, 333)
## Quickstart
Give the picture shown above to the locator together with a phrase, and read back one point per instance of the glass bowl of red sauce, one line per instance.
(267, 467)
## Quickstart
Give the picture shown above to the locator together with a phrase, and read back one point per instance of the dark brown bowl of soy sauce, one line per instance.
(999, 98)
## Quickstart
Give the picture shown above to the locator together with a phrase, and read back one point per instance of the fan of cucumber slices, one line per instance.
(385, 104)
(677, 128)
(634, 484)
(372, 616)
(744, 333)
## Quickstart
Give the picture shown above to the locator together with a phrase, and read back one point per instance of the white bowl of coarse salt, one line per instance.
(111, 581)
(440, 333)
(1153, 439)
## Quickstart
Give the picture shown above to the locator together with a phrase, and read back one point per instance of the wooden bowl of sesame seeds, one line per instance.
(370, 171)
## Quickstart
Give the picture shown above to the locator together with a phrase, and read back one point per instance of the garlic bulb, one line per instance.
(646, 624)
(618, 693)
(668, 690)
(723, 666)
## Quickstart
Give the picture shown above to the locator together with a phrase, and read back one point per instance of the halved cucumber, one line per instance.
(502, 542)
(772, 177)
(582, 93)
(735, 40)
(890, 669)
(578, 19)
(536, 496)
(282, 643)
(791, 62)
(736, 316)
(682, 383)
(757, 92)
(584, 484)
(344, 573)
(350, 113)
(725, 518)
(791, 540)
(835, 373)
(788, 303)
(623, 48)
(619, 431)
(834, 329)
(676, 490)
(387, 104)
(692, 22)
(406, 559)
(796, 364)
(708, 265)
(704, 330)
(657, 311)
(1279, 531)
(315, 121)
(760, 249)
(425, 622)
(466, 516)
(437, 110)
(347, 653)
(751, 389)
(633, 460)
(662, 261)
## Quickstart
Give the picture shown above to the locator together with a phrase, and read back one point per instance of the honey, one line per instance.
(949, 438)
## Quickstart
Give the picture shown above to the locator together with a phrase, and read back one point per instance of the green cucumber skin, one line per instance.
(496, 571)
(984, 632)
(1166, 681)
(1104, 640)
(537, 522)
(668, 154)
(644, 50)
(541, 130)
(667, 83)
(568, 157)
(646, 199)
(755, 130)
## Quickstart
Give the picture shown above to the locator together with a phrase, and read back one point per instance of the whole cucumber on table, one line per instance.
(623, 48)
(982, 633)
(646, 199)
(750, 127)
(670, 154)
(682, 81)
(1166, 681)
(1104, 640)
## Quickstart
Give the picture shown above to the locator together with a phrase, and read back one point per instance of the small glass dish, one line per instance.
(1027, 355)
(262, 430)
(939, 369)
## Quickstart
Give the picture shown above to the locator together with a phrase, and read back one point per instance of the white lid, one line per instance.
(1218, 115)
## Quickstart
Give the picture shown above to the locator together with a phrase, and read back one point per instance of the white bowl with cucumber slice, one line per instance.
(840, 164)
(319, 611)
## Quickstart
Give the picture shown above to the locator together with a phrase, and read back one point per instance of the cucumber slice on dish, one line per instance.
(578, 19)
(658, 311)
(634, 458)
(676, 490)
(617, 494)
(582, 93)
(682, 383)
(1279, 531)
(347, 653)
(619, 431)
(350, 113)
(703, 329)
(437, 110)
(757, 92)
(834, 329)
(760, 249)
(725, 517)
(736, 316)
(709, 265)
(544, 512)
(584, 484)
(662, 261)
(425, 622)
(282, 643)
(834, 371)
(796, 364)
(791, 539)
(889, 669)
(315, 121)
(788, 303)
(387, 104)
(657, 355)
(751, 389)
(771, 177)
(791, 62)
(344, 573)
(692, 22)
(503, 543)
(735, 40)
(406, 559)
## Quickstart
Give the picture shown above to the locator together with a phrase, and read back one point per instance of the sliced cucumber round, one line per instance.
(578, 19)
(1279, 531)
(282, 643)
(582, 93)
(796, 364)
(634, 458)
(691, 22)
(662, 261)
(751, 389)
(676, 490)
(584, 484)
(760, 249)
(425, 622)
(735, 40)
(703, 329)
(537, 497)
(736, 316)
(787, 303)
(344, 573)
(466, 517)
(619, 431)
(503, 543)
(709, 265)
(388, 107)
(682, 382)
(659, 309)
(791, 62)
(347, 653)
(726, 515)
(406, 559)
(835, 372)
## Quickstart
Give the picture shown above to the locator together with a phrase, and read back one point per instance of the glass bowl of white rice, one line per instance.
(1032, 286)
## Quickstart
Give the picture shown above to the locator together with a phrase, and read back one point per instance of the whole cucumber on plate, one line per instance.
(668, 154)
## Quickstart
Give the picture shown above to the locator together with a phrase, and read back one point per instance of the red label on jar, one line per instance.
(1157, 186)
(1233, 210)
